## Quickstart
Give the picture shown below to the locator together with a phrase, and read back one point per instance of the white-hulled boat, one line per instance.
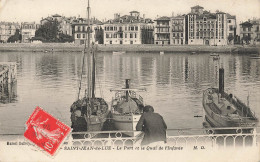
(127, 108)
(118, 52)
(225, 110)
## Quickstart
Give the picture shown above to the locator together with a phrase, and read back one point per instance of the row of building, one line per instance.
(199, 27)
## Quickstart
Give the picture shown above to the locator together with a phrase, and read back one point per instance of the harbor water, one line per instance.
(174, 83)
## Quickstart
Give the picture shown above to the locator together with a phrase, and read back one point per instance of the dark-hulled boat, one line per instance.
(226, 110)
(90, 112)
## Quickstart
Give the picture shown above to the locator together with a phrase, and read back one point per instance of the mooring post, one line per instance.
(127, 87)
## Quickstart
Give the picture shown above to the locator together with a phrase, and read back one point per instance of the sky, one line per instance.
(34, 10)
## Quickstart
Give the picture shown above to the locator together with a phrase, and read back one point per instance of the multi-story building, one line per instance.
(249, 31)
(206, 28)
(28, 31)
(7, 29)
(128, 29)
(80, 27)
(162, 30)
(232, 26)
(177, 30)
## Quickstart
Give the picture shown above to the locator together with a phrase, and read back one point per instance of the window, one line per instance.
(136, 28)
(83, 36)
(181, 34)
(126, 28)
(107, 35)
(135, 35)
(125, 35)
(229, 21)
(131, 35)
(78, 35)
(115, 35)
(110, 42)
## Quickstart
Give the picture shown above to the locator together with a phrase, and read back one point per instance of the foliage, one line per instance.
(246, 38)
(99, 35)
(65, 38)
(16, 37)
(49, 31)
(230, 38)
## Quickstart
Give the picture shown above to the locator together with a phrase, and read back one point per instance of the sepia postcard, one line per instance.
(129, 80)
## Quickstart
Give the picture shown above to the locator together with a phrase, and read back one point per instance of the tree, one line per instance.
(246, 38)
(65, 38)
(230, 38)
(16, 37)
(49, 31)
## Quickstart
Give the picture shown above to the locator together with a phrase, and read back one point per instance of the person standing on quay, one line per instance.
(153, 126)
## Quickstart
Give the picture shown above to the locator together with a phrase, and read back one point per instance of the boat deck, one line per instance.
(220, 105)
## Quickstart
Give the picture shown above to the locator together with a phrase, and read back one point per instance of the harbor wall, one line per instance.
(70, 47)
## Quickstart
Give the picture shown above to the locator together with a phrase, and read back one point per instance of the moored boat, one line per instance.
(127, 108)
(118, 52)
(90, 112)
(226, 110)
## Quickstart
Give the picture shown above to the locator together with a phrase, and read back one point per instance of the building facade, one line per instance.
(7, 29)
(28, 31)
(128, 29)
(250, 32)
(80, 27)
(231, 28)
(177, 30)
(162, 30)
(206, 28)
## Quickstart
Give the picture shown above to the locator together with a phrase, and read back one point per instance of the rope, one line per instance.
(83, 63)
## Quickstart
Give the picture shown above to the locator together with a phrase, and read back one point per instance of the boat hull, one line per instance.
(126, 122)
(85, 118)
(216, 117)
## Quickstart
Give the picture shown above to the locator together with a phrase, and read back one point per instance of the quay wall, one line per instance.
(70, 47)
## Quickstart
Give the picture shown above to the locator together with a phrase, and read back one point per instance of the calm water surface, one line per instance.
(174, 83)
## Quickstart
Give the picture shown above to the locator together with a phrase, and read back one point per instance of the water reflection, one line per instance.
(8, 92)
(174, 83)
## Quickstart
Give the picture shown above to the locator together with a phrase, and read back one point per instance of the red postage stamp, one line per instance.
(45, 131)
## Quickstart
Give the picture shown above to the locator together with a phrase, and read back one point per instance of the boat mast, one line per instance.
(89, 57)
(83, 62)
(93, 72)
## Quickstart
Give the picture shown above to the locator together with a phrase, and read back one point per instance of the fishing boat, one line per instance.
(225, 110)
(90, 112)
(126, 109)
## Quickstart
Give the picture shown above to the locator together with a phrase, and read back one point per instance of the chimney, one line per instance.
(116, 15)
(143, 16)
(221, 81)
